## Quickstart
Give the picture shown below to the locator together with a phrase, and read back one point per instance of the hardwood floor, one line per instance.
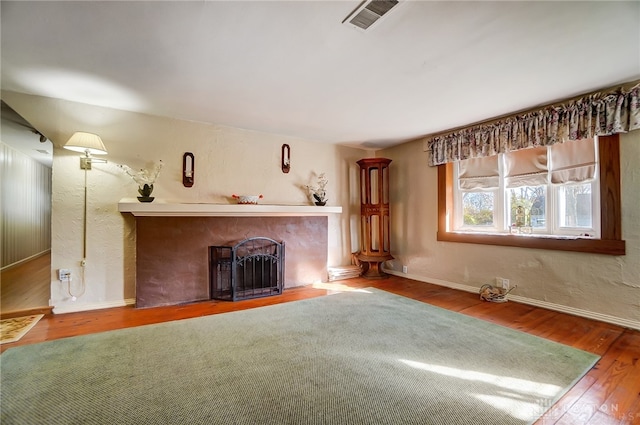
(608, 394)
(26, 288)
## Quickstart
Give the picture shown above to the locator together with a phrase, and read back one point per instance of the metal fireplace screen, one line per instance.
(250, 269)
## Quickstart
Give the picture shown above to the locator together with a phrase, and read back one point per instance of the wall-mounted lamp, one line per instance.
(286, 158)
(89, 144)
(188, 169)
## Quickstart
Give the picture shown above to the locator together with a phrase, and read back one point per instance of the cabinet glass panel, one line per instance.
(385, 185)
(374, 185)
(364, 198)
(385, 232)
(365, 232)
(375, 233)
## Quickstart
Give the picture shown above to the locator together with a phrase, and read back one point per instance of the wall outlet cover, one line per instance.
(64, 274)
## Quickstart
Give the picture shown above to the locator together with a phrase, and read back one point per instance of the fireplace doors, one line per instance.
(250, 269)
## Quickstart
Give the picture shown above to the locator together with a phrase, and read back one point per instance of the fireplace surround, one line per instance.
(172, 244)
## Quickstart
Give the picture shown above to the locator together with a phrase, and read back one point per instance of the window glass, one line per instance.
(527, 206)
(478, 208)
(524, 197)
(575, 206)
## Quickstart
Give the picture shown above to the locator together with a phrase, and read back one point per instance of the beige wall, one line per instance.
(25, 187)
(238, 161)
(227, 161)
(598, 284)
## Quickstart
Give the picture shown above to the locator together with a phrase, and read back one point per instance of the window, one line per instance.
(549, 191)
(480, 204)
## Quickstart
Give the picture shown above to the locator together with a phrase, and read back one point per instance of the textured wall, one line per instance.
(172, 252)
(239, 161)
(228, 161)
(597, 283)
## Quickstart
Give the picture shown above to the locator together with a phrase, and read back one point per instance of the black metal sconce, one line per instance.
(286, 158)
(188, 169)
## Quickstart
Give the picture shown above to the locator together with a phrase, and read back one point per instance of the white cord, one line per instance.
(83, 286)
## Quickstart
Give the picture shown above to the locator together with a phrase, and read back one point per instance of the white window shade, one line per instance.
(479, 173)
(526, 167)
(573, 161)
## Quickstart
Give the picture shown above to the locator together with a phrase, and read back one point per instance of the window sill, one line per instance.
(595, 246)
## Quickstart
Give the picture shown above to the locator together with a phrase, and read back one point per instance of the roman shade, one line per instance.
(573, 161)
(527, 167)
(479, 173)
(570, 162)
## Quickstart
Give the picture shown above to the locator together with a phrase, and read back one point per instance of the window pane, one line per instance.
(575, 206)
(528, 206)
(478, 208)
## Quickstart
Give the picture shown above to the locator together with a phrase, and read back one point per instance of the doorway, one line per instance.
(26, 161)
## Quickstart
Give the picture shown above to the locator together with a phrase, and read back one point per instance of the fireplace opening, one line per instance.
(251, 268)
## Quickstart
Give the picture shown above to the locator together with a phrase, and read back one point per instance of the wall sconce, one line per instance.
(89, 144)
(286, 158)
(188, 169)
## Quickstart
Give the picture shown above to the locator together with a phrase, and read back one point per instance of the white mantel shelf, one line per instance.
(159, 208)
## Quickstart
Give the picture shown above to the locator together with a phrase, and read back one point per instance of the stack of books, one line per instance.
(343, 272)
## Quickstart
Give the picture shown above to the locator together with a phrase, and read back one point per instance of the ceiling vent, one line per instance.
(369, 12)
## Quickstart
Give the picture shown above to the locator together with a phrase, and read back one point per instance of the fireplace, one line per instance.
(251, 268)
(173, 240)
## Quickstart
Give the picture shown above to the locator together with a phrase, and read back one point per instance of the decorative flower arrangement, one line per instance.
(144, 178)
(319, 192)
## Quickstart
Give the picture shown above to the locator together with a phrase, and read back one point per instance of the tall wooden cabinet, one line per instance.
(374, 216)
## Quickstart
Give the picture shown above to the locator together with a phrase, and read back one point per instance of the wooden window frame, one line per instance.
(610, 242)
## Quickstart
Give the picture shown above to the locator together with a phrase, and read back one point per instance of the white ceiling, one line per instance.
(292, 67)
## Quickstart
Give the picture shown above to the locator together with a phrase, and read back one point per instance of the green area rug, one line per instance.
(366, 357)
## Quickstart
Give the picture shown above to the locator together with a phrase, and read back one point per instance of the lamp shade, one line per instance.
(87, 143)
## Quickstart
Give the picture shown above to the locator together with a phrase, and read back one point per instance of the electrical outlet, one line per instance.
(502, 283)
(64, 275)
(405, 269)
(505, 284)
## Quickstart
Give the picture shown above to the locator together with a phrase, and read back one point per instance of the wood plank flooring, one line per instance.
(608, 394)
(26, 287)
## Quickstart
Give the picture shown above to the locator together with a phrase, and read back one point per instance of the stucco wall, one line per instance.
(227, 161)
(238, 161)
(603, 284)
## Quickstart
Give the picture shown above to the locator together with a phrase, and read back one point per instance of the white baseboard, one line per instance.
(626, 323)
(73, 308)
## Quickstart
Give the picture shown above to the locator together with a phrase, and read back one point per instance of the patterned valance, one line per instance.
(597, 114)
